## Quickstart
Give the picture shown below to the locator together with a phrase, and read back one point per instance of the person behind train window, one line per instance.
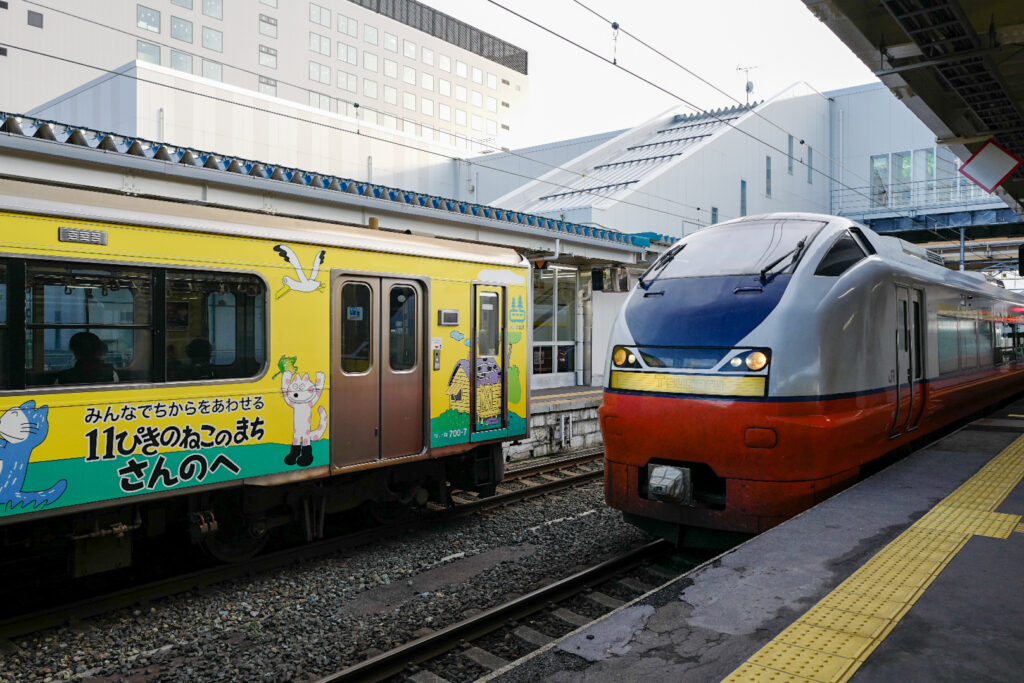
(90, 363)
(199, 352)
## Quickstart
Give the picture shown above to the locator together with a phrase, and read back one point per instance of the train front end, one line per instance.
(694, 438)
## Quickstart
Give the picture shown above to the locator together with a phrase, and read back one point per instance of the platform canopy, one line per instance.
(957, 64)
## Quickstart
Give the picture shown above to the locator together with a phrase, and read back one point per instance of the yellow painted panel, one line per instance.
(670, 383)
(817, 666)
(825, 640)
(755, 672)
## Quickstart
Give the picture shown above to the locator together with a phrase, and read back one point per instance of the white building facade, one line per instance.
(407, 66)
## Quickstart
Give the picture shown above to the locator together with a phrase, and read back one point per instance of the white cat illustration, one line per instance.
(301, 394)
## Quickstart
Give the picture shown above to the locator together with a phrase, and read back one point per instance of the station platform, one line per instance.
(911, 575)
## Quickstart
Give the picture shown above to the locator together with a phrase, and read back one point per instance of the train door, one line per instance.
(377, 373)
(488, 400)
(909, 360)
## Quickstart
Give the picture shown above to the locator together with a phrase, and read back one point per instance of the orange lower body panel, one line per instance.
(770, 459)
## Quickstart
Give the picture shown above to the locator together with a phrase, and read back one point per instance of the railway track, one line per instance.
(486, 642)
(520, 484)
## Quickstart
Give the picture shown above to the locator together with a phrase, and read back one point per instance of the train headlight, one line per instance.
(736, 362)
(624, 358)
(756, 360)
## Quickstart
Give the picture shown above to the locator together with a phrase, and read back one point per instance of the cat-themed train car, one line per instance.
(761, 363)
(178, 368)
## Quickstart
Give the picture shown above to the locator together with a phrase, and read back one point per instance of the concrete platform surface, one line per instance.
(912, 575)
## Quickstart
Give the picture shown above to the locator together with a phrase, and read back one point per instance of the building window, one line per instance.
(408, 127)
(444, 87)
(347, 81)
(213, 39)
(148, 19)
(444, 62)
(270, 3)
(427, 106)
(319, 15)
(492, 81)
(810, 164)
(461, 69)
(714, 215)
(444, 112)
(409, 75)
(426, 81)
(187, 4)
(492, 105)
(268, 26)
(147, 52)
(460, 93)
(409, 101)
(268, 86)
(768, 176)
(880, 180)
(478, 75)
(370, 88)
(370, 34)
(554, 320)
(409, 49)
(214, 8)
(492, 127)
(348, 25)
(319, 101)
(390, 42)
(321, 73)
(390, 68)
(743, 197)
(901, 177)
(349, 54)
(477, 99)
(370, 61)
(181, 29)
(477, 122)
(268, 58)
(789, 161)
(36, 19)
(213, 70)
(460, 117)
(390, 95)
(428, 56)
(181, 61)
(321, 44)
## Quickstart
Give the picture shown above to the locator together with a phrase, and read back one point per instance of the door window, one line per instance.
(402, 328)
(356, 328)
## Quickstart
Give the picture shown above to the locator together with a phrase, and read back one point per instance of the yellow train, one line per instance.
(228, 373)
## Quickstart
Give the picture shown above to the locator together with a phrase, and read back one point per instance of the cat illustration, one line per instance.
(301, 394)
(21, 430)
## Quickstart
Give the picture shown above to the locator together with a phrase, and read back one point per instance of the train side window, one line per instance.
(215, 325)
(949, 345)
(356, 328)
(87, 324)
(490, 323)
(862, 240)
(843, 254)
(402, 328)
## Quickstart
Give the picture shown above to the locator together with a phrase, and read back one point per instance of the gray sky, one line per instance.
(573, 93)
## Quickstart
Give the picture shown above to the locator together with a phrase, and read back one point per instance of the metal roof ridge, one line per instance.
(31, 127)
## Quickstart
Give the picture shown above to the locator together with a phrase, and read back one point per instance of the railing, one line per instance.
(911, 197)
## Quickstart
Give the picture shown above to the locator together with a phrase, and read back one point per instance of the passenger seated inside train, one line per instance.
(90, 363)
(199, 352)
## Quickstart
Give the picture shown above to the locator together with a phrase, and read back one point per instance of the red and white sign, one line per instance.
(991, 165)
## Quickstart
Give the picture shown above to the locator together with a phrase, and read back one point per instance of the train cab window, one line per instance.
(356, 328)
(215, 325)
(843, 254)
(402, 328)
(87, 325)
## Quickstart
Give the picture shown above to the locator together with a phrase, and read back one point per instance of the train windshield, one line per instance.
(741, 249)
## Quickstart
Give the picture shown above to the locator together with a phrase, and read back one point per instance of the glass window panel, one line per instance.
(181, 61)
(370, 34)
(213, 70)
(402, 328)
(356, 327)
(843, 254)
(968, 344)
(148, 52)
(880, 180)
(566, 328)
(213, 39)
(948, 345)
(148, 18)
(181, 29)
(566, 358)
(489, 325)
(543, 360)
(543, 305)
(184, 3)
(214, 8)
(215, 325)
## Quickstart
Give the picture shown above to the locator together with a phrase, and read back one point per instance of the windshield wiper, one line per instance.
(657, 267)
(794, 252)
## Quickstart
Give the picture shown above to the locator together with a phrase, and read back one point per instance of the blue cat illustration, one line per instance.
(21, 430)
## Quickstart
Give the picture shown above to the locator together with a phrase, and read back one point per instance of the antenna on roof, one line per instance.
(750, 84)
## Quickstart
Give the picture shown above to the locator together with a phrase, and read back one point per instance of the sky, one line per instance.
(573, 93)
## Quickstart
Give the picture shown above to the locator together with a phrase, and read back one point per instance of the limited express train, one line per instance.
(170, 367)
(760, 364)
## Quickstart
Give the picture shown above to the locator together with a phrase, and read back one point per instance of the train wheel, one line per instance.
(237, 538)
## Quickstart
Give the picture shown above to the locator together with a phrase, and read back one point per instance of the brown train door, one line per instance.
(377, 373)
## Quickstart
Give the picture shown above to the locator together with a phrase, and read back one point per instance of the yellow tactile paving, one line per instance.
(833, 638)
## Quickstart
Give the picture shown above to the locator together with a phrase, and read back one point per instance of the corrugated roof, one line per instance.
(16, 124)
